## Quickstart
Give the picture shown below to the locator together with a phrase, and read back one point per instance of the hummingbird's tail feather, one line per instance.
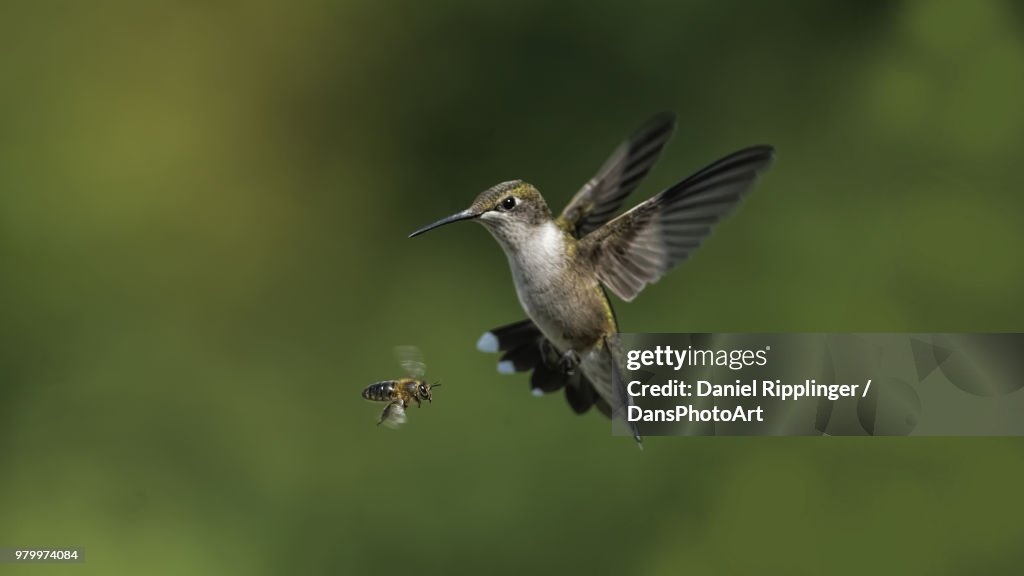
(582, 396)
(508, 337)
(524, 348)
(547, 379)
(520, 342)
(640, 246)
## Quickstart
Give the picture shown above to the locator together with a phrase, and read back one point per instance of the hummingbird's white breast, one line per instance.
(541, 258)
(537, 258)
(561, 299)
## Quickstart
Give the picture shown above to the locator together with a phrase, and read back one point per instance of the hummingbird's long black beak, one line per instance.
(466, 214)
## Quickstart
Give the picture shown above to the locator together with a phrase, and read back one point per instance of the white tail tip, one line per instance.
(487, 343)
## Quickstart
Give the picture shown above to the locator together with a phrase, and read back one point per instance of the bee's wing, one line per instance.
(411, 360)
(393, 415)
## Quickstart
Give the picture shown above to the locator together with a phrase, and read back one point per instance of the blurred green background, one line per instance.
(203, 220)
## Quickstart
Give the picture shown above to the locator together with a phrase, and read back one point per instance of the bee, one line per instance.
(403, 391)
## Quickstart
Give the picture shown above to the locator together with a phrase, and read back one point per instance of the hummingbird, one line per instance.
(563, 267)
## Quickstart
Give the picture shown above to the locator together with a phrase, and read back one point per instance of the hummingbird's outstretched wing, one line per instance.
(601, 197)
(523, 346)
(638, 247)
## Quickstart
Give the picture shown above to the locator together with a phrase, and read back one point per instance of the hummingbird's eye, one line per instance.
(508, 203)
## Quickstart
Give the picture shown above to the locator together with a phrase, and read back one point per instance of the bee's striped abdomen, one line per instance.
(380, 391)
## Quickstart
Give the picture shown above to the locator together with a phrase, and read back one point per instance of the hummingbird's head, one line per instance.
(509, 210)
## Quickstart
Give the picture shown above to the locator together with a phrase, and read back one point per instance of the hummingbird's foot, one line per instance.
(569, 362)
